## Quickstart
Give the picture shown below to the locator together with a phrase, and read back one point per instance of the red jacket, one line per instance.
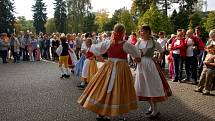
(181, 47)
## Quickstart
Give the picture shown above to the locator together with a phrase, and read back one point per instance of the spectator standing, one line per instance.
(208, 75)
(178, 50)
(78, 46)
(46, 47)
(162, 42)
(4, 46)
(191, 62)
(15, 48)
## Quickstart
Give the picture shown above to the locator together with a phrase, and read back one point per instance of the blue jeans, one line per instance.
(178, 66)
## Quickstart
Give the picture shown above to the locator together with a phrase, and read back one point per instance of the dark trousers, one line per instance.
(54, 54)
(14, 54)
(4, 55)
(191, 64)
(178, 66)
(24, 53)
(46, 53)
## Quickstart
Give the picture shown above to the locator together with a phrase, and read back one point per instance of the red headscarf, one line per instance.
(117, 36)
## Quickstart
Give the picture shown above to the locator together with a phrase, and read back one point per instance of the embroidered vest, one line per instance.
(116, 51)
(149, 51)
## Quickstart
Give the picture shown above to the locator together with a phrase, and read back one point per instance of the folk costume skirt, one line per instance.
(79, 66)
(150, 82)
(89, 70)
(110, 91)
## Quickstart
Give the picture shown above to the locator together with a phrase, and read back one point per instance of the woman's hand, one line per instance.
(100, 58)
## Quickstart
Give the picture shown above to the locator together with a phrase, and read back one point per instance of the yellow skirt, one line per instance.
(91, 70)
(120, 100)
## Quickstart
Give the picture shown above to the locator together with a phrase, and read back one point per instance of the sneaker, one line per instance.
(102, 118)
(198, 90)
(153, 116)
(148, 112)
(206, 92)
(185, 80)
(194, 82)
(174, 80)
(67, 76)
(81, 86)
(62, 76)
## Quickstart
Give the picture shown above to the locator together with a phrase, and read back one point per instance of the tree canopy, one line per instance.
(22, 24)
(7, 19)
(60, 15)
(210, 23)
(40, 16)
(77, 10)
(156, 20)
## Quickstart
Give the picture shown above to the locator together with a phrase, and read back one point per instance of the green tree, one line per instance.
(126, 19)
(77, 9)
(39, 16)
(50, 26)
(101, 19)
(156, 20)
(181, 20)
(210, 23)
(139, 7)
(60, 15)
(112, 21)
(187, 6)
(7, 19)
(123, 16)
(173, 19)
(89, 23)
(195, 20)
(23, 25)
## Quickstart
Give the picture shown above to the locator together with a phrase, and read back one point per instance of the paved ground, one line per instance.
(34, 92)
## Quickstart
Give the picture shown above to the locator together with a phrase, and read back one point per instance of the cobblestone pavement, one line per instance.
(34, 92)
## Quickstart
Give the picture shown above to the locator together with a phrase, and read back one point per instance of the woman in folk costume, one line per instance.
(90, 65)
(72, 57)
(152, 88)
(63, 53)
(80, 63)
(111, 92)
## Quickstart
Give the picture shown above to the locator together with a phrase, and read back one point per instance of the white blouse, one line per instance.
(102, 47)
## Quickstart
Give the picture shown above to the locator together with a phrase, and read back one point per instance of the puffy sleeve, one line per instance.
(100, 48)
(158, 47)
(131, 49)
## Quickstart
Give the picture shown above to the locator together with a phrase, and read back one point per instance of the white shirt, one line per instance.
(213, 42)
(189, 51)
(175, 44)
(162, 41)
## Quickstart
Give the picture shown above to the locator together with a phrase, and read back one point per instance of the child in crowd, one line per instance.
(80, 63)
(90, 66)
(30, 50)
(208, 75)
(171, 66)
(72, 57)
(63, 53)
